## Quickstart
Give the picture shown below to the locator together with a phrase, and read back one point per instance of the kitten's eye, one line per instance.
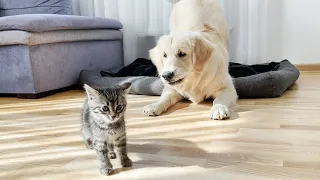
(105, 108)
(119, 107)
(182, 54)
(165, 55)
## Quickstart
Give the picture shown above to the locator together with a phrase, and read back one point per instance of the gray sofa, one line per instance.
(43, 47)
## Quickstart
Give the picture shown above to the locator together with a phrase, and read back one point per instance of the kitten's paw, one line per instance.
(153, 109)
(126, 163)
(219, 112)
(106, 172)
(90, 147)
(89, 144)
(112, 155)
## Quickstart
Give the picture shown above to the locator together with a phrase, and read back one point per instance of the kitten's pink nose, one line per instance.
(113, 117)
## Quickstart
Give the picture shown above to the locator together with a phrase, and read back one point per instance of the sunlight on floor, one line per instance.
(264, 139)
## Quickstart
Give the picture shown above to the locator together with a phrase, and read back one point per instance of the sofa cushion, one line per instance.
(29, 38)
(52, 22)
(16, 7)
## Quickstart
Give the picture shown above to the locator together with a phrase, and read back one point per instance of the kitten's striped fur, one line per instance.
(103, 125)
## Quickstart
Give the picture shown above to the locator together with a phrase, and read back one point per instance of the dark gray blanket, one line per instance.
(263, 85)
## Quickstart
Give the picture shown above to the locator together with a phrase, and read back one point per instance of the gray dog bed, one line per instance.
(269, 84)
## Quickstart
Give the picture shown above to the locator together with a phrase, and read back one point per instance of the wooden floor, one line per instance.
(265, 139)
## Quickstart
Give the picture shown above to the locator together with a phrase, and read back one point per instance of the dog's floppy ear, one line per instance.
(156, 54)
(203, 50)
(156, 58)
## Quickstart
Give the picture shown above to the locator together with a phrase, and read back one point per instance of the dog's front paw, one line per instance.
(153, 109)
(106, 171)
(219, 112)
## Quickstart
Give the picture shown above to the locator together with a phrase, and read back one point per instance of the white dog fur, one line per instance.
(196, 51)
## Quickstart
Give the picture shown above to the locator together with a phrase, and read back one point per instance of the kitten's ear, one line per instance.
(91, 93)
(125, 87)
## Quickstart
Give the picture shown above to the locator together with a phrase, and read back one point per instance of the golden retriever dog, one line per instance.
(193, 59)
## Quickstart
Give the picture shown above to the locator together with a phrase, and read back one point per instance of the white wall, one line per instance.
(294, 31)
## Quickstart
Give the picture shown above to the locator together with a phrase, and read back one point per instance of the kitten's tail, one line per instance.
(174, 1)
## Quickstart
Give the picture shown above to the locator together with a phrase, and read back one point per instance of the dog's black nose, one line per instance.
(167, 75)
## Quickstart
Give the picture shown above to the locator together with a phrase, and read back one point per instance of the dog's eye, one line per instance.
(165, 55)
(181, 54)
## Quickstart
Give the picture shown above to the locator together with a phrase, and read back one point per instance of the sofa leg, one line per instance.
(35, 96)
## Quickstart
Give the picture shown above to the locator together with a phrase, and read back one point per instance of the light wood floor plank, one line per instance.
(265, 139)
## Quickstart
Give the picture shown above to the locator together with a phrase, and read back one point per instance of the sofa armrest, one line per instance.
(52, 22)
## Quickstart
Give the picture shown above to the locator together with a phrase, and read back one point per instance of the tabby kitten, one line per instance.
(103, 125)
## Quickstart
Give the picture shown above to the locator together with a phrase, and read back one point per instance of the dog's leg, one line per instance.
(169, 97)
(222, 104)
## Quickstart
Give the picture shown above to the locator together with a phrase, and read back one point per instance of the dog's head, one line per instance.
(177, 57)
